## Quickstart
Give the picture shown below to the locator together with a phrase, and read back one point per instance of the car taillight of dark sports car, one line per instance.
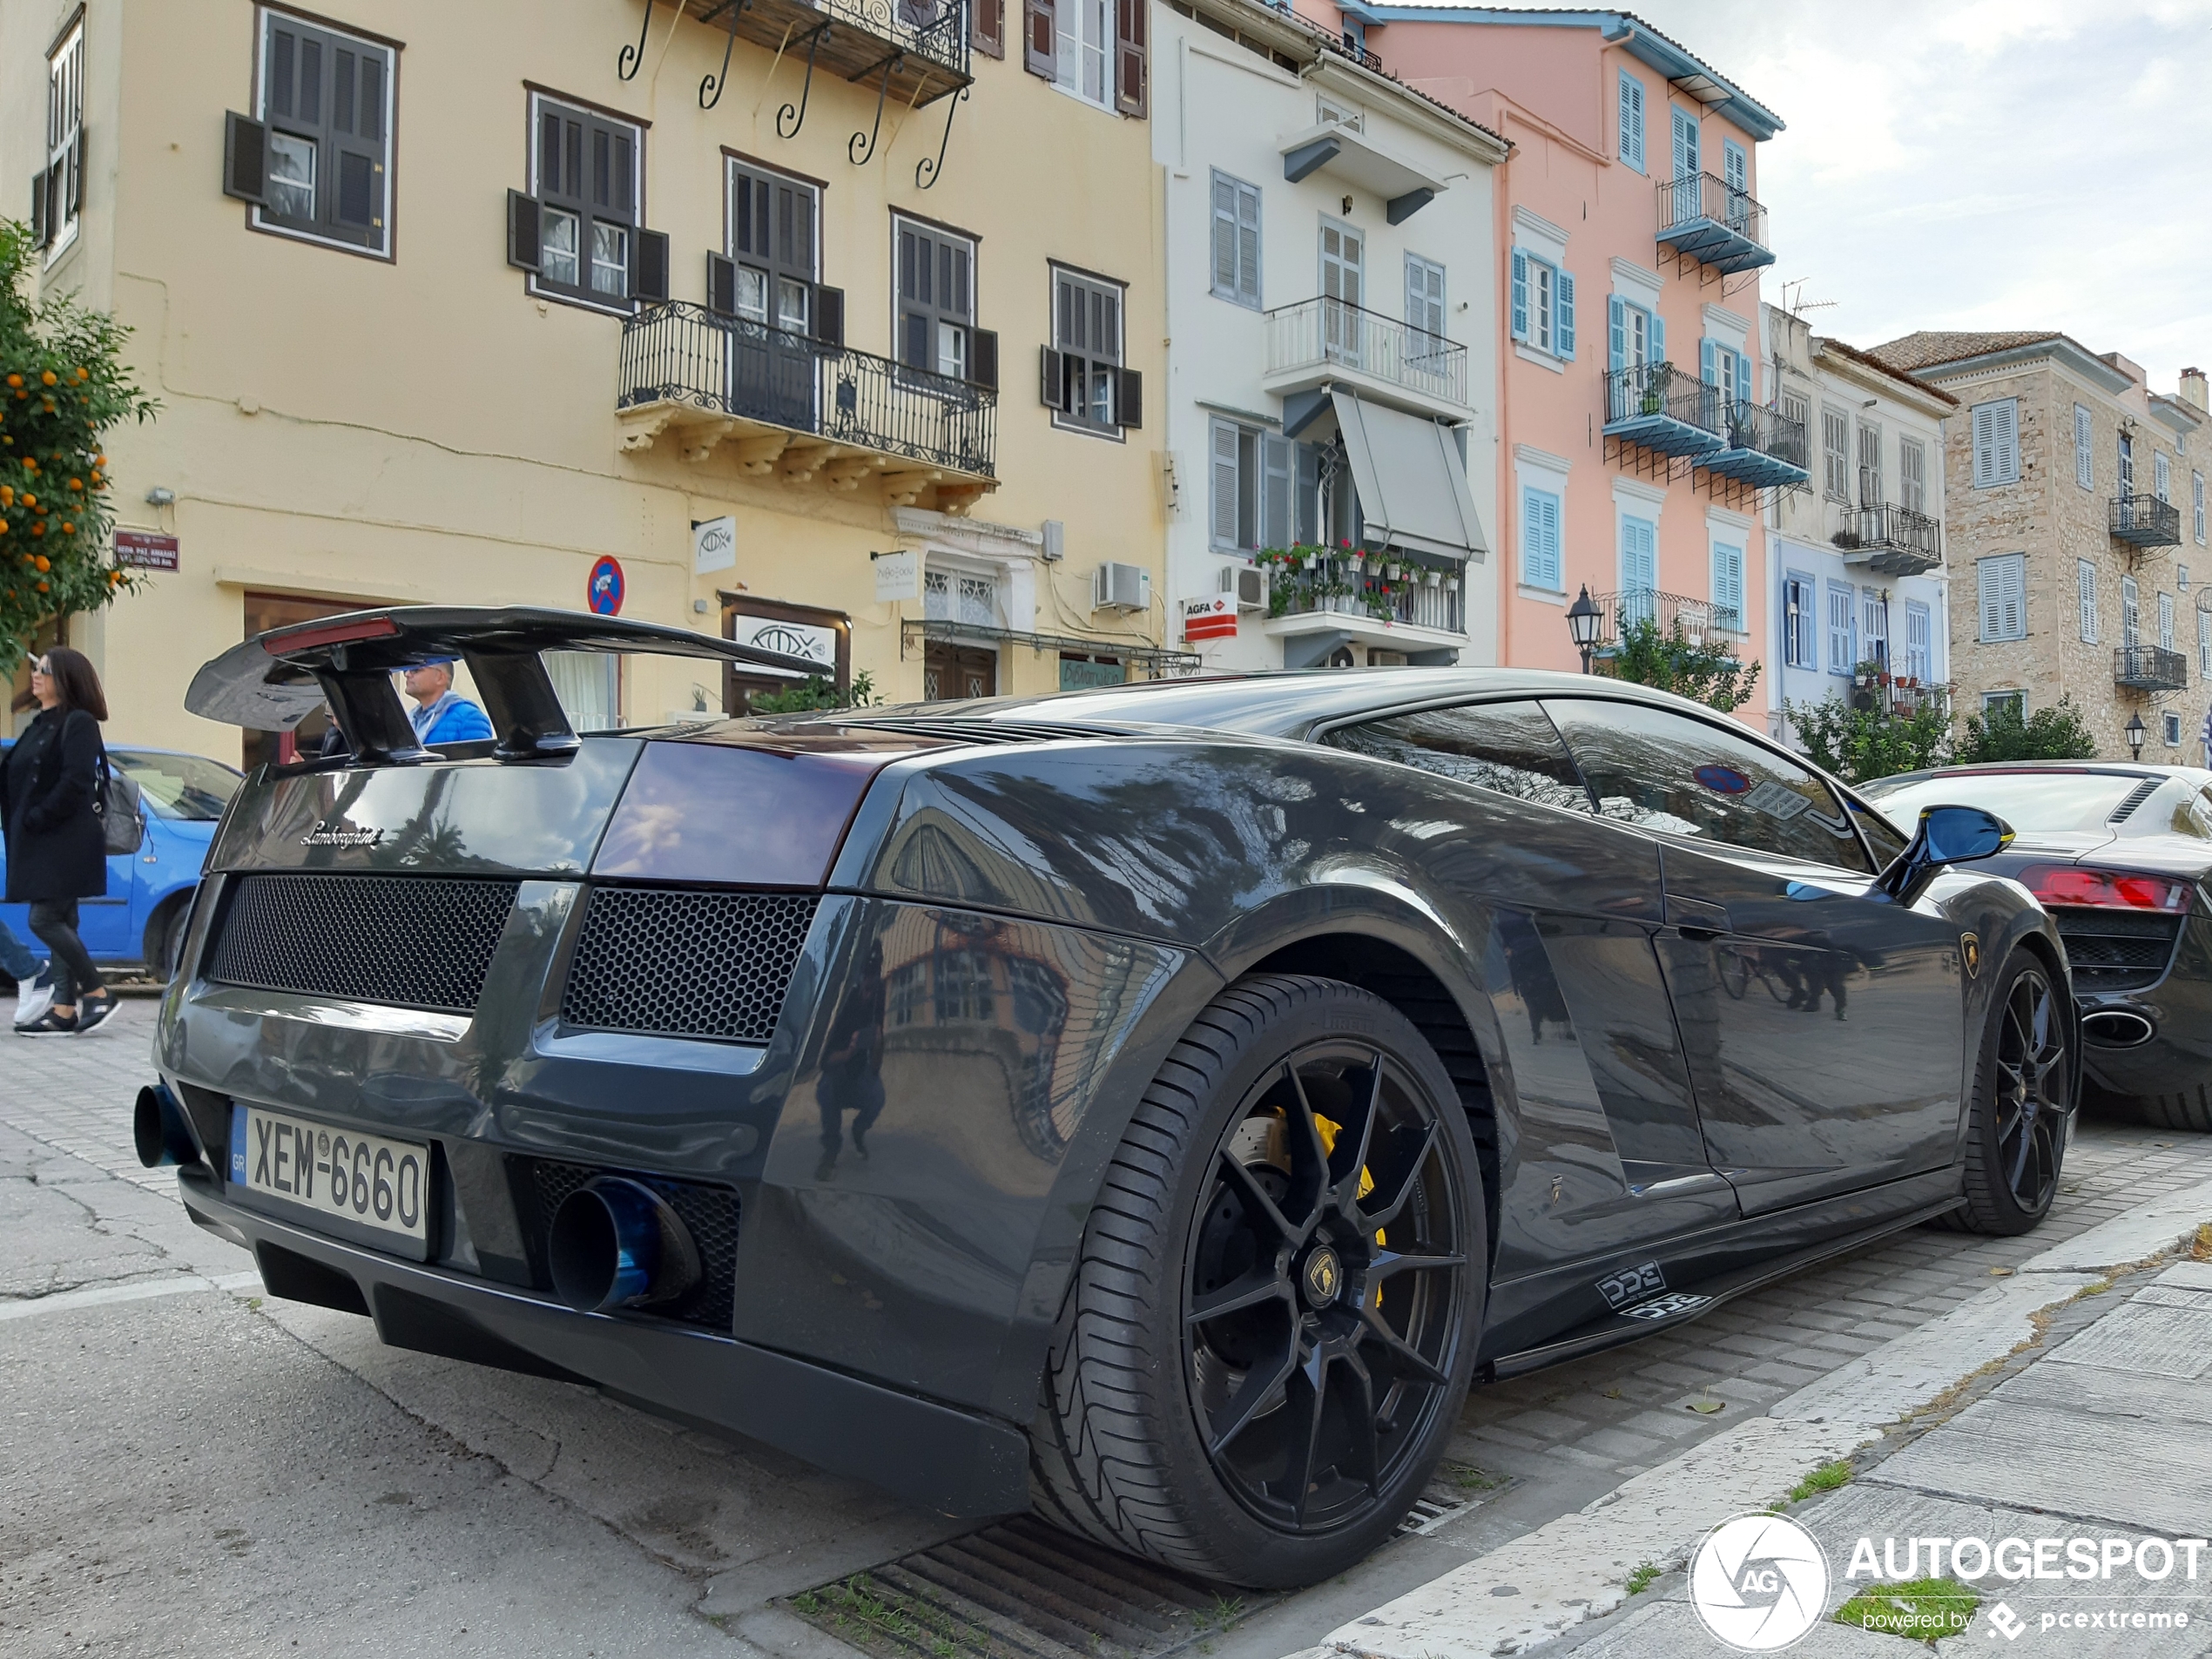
(1155, 1105)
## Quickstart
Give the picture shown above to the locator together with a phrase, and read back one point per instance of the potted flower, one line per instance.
(1451, 584)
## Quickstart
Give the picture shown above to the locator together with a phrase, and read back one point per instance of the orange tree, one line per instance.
(63, 385)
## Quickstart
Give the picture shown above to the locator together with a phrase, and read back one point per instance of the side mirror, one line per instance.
(1945, 835)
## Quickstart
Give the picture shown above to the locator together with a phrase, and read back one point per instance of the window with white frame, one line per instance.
(1912, 475)
(2084, 582)
(1086, 386)
(58, 194)
(2015, 703)
(1719, 364)
(1639, 566)
(1264, 488)
(1543, 305)
(1236, 240)
(1869, 465)
(2131, 613)
(1843, 628)
(1874, 636)
(1631, 120)
(1920, 641)
(1540, 539)
(1425, 303)
(936, 297)
(326, 111)
(2085, 458)
(2165, 622)
(1728, 587)
(1327, 111)
(1995, 432)
(2161, 474)
(1834, 450)
(1084, 65)
(2172, 724)
(1637, 335)
(2001, 584)
(587, 175)
(2126, 464)
(1797, 409)
(953, 593)
(1800, 640)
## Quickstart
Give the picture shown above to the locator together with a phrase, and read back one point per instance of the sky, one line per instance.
(1982, 163)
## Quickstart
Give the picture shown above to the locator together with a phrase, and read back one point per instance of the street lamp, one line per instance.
(1583, 618)
(2134, 736)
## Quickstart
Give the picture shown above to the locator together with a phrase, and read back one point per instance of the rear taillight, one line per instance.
(2071, 884)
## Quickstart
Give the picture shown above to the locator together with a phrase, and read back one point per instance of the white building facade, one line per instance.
(1332, 286)
(1855, 563)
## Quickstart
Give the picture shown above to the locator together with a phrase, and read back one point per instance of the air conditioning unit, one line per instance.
(1121, 587)
(1248, 583)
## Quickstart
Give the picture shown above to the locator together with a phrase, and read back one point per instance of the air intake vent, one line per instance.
(685, 963)
(2116, 950)
(710, 1212)
(413, 941)
(2134, 798)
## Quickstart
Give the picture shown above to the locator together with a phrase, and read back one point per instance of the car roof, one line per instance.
(1285, 702)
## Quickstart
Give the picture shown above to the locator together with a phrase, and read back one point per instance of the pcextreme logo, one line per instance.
(1758, 1583)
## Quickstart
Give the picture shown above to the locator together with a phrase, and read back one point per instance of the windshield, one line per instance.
(188, 786)
(2031, 802)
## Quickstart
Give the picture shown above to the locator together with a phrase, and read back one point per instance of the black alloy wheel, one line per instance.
(2023, 1094)
(1275, 1310)
(1321, 1287)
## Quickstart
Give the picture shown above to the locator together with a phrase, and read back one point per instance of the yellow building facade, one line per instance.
(452, 302)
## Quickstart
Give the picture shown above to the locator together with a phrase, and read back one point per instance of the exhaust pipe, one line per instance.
(158, 1129)
(2117, 1029)
(617, 1244)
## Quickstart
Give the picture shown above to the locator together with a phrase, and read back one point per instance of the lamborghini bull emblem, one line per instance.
(1970, 954)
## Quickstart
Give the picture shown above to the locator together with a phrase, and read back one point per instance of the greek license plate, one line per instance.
(376, 1189)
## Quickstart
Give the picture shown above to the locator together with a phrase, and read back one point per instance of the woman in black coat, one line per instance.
(57, 843)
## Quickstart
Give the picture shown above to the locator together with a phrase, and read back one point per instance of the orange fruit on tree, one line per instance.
(48, 377)
(43, 564)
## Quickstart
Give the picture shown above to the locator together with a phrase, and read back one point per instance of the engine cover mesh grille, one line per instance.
(2116, 950)
(710, 1213)
(413, 941)
(686, 963)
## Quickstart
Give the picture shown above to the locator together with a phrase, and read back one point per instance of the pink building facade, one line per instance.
(1636, 453)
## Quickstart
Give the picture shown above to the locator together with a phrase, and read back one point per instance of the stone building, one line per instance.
(2075, 513)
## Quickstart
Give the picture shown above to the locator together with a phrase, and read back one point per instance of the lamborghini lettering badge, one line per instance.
(326, 833)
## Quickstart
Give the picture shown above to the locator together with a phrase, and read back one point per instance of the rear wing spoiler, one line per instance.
(274, 680)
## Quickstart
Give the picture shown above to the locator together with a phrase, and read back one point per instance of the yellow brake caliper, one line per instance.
(1329, 1132)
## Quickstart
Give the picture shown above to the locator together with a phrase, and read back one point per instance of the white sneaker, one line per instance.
(34, 996)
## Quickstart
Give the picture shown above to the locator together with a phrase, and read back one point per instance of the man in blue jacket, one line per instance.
(440, 714)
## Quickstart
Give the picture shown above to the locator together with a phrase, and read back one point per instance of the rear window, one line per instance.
(2050, 802)
(183, 786)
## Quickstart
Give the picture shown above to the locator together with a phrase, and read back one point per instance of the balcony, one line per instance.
(1316, 341)
(1760, 447)
(1697, 620)
(1422, 607)
(910, 52)
(1653, 405)
(1703, 218)
(790, 405)
(2146, 521)
(1890, 540)
(2149, 668)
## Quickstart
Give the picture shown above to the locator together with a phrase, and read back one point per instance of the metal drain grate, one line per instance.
(1456, 1488)
(1022, 1590)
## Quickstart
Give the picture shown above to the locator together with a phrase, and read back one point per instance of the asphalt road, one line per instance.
(189, 1468)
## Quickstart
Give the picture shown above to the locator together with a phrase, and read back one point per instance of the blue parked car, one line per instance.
(142, 918)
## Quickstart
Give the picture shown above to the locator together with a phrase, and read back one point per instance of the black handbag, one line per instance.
(122, 812)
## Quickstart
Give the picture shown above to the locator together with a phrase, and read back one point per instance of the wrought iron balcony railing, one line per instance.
(1323, 332)
(1760, 446)
(1895, 540)
(1706, 218)
(682, 353)
(2146, 521)
(1653, 405)
(1700, 621)
(2149, 668)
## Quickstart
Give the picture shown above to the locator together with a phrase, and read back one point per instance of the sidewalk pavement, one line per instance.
(2065, 1401)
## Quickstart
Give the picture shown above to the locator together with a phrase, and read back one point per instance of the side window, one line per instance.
(1508, 747)
(1661, 771)
(1887, 840)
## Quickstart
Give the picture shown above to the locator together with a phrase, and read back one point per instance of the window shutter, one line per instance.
(1990, 581)
(75, 175)
(1276, 470)
(1632, 121)
(1051, 379)
(649, 252)
(1709, 366)
(1658, 338)
(245, 157)
(829, 315)
(523, 236)
(983, 359)
(1985, 444)
(1616, 334)
(1131, 67)
(1520, 295)
(1563, 323)
(1248, 244)
(2086, 587)
(1225, 235)
(1551, 542)
(1224, 484)
(2015, 597)
(2085, 460)
(721, 285)
(1039, 39)
(2004, 460)
(1128, 398)
(41, 232)
(1744, 389)
(988, 27)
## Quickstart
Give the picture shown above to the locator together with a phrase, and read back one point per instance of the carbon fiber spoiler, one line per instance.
(274, 680)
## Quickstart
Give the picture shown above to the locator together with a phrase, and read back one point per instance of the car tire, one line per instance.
(2016, 1127)
(169, 940)
(2188, 1109)
(1175, 1434)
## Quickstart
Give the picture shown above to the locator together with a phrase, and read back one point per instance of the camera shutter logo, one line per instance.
(1758, 1583)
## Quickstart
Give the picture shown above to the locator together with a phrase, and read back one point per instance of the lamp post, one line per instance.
(2134, 736)
(1583, 618)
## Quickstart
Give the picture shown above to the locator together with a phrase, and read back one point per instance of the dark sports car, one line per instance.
(2120, 854)
(1155, 1104)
